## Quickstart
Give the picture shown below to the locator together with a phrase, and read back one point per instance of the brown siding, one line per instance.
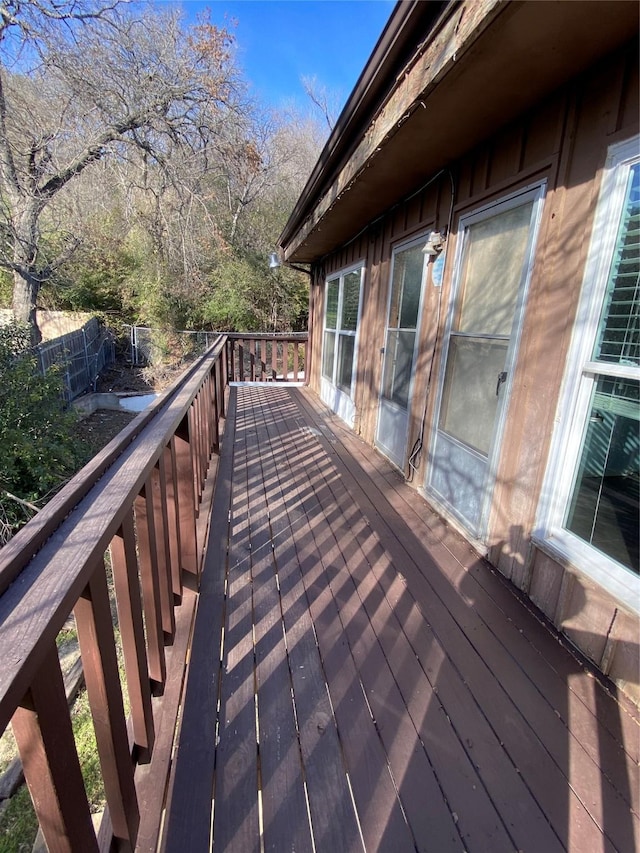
(563, 141)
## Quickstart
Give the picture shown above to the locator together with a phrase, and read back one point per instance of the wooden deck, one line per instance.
(361, 680)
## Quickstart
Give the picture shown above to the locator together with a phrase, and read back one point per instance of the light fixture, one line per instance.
(434, 244)
(274, 261)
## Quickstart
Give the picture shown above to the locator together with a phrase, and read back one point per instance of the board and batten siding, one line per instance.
(564, 142)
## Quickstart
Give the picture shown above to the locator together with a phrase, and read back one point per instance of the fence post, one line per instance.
(87, 381)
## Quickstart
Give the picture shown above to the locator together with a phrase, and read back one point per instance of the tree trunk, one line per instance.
(26, 281)
(25, 295)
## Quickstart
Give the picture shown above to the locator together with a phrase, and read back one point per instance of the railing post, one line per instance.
(232, 358)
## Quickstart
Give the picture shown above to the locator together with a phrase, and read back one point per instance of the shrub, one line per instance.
(39, 452)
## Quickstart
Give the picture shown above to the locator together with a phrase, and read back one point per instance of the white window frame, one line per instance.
(398, 249)
(339, 401)
(575, 402)
(535, 192)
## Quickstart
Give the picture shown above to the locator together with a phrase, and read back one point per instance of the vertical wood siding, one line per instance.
(564, 142)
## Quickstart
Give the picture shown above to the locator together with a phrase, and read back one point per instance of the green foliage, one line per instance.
(6, 288)
(232, 304)
(18, 824)
(245, 296)
(97, 281)
(39, 450)
(85, 738)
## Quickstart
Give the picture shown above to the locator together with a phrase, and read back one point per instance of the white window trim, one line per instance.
(575, 395)
(341, 402)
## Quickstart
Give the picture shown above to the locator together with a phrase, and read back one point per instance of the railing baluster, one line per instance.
(221, 380)
(295, 361)
(217, 404)
(186, 504)
(173, 528)
(99, 661)
(263, 361)
(124, 565)
(159, 491)
(252, 359)
(207, 417)
(241, 360)
(274, 360)
(195, 455)
(150, 586)
(42, 728)
(194, 434)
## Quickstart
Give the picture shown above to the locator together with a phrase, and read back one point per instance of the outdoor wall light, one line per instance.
(434, 244)
(274, 261)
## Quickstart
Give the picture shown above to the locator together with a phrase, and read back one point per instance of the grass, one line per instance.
(18, 824)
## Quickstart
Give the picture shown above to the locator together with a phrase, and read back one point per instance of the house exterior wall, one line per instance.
(563, 141)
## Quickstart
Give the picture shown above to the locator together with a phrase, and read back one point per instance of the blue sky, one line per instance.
(280, 41)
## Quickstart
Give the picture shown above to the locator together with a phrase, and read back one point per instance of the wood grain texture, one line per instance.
(380, 687)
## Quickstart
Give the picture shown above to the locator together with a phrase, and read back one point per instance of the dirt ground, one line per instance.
(98, 429)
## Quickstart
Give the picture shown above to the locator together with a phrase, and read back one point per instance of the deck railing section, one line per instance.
(136, 514)
(267, 357)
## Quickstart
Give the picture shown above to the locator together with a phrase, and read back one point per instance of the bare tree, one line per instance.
(322, 98)
(87, 81)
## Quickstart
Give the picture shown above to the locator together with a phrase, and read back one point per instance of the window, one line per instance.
(590, 512)
(342, 311)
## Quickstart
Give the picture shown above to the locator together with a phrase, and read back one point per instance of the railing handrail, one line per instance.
(28, 540)
(268, 336)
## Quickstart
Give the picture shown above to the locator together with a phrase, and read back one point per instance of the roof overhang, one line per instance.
(443, 77)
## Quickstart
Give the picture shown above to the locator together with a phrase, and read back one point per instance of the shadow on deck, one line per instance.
(361, 680)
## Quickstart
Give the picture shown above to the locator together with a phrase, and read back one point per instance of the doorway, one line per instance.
(493, 264)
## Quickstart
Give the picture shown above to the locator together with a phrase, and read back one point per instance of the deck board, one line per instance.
(381, 687)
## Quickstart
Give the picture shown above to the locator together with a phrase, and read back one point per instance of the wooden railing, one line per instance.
(254, 357)
(129, 529)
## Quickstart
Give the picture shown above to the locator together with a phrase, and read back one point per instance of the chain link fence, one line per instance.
(154, 346)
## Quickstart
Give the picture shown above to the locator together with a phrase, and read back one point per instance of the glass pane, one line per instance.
(619, 336)
(328, 354)
(471, 394)
(408, 267)
(350, 301)
(494, 258)
(398, 361)
(331, 319)
(604, 507)
(345, 362)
